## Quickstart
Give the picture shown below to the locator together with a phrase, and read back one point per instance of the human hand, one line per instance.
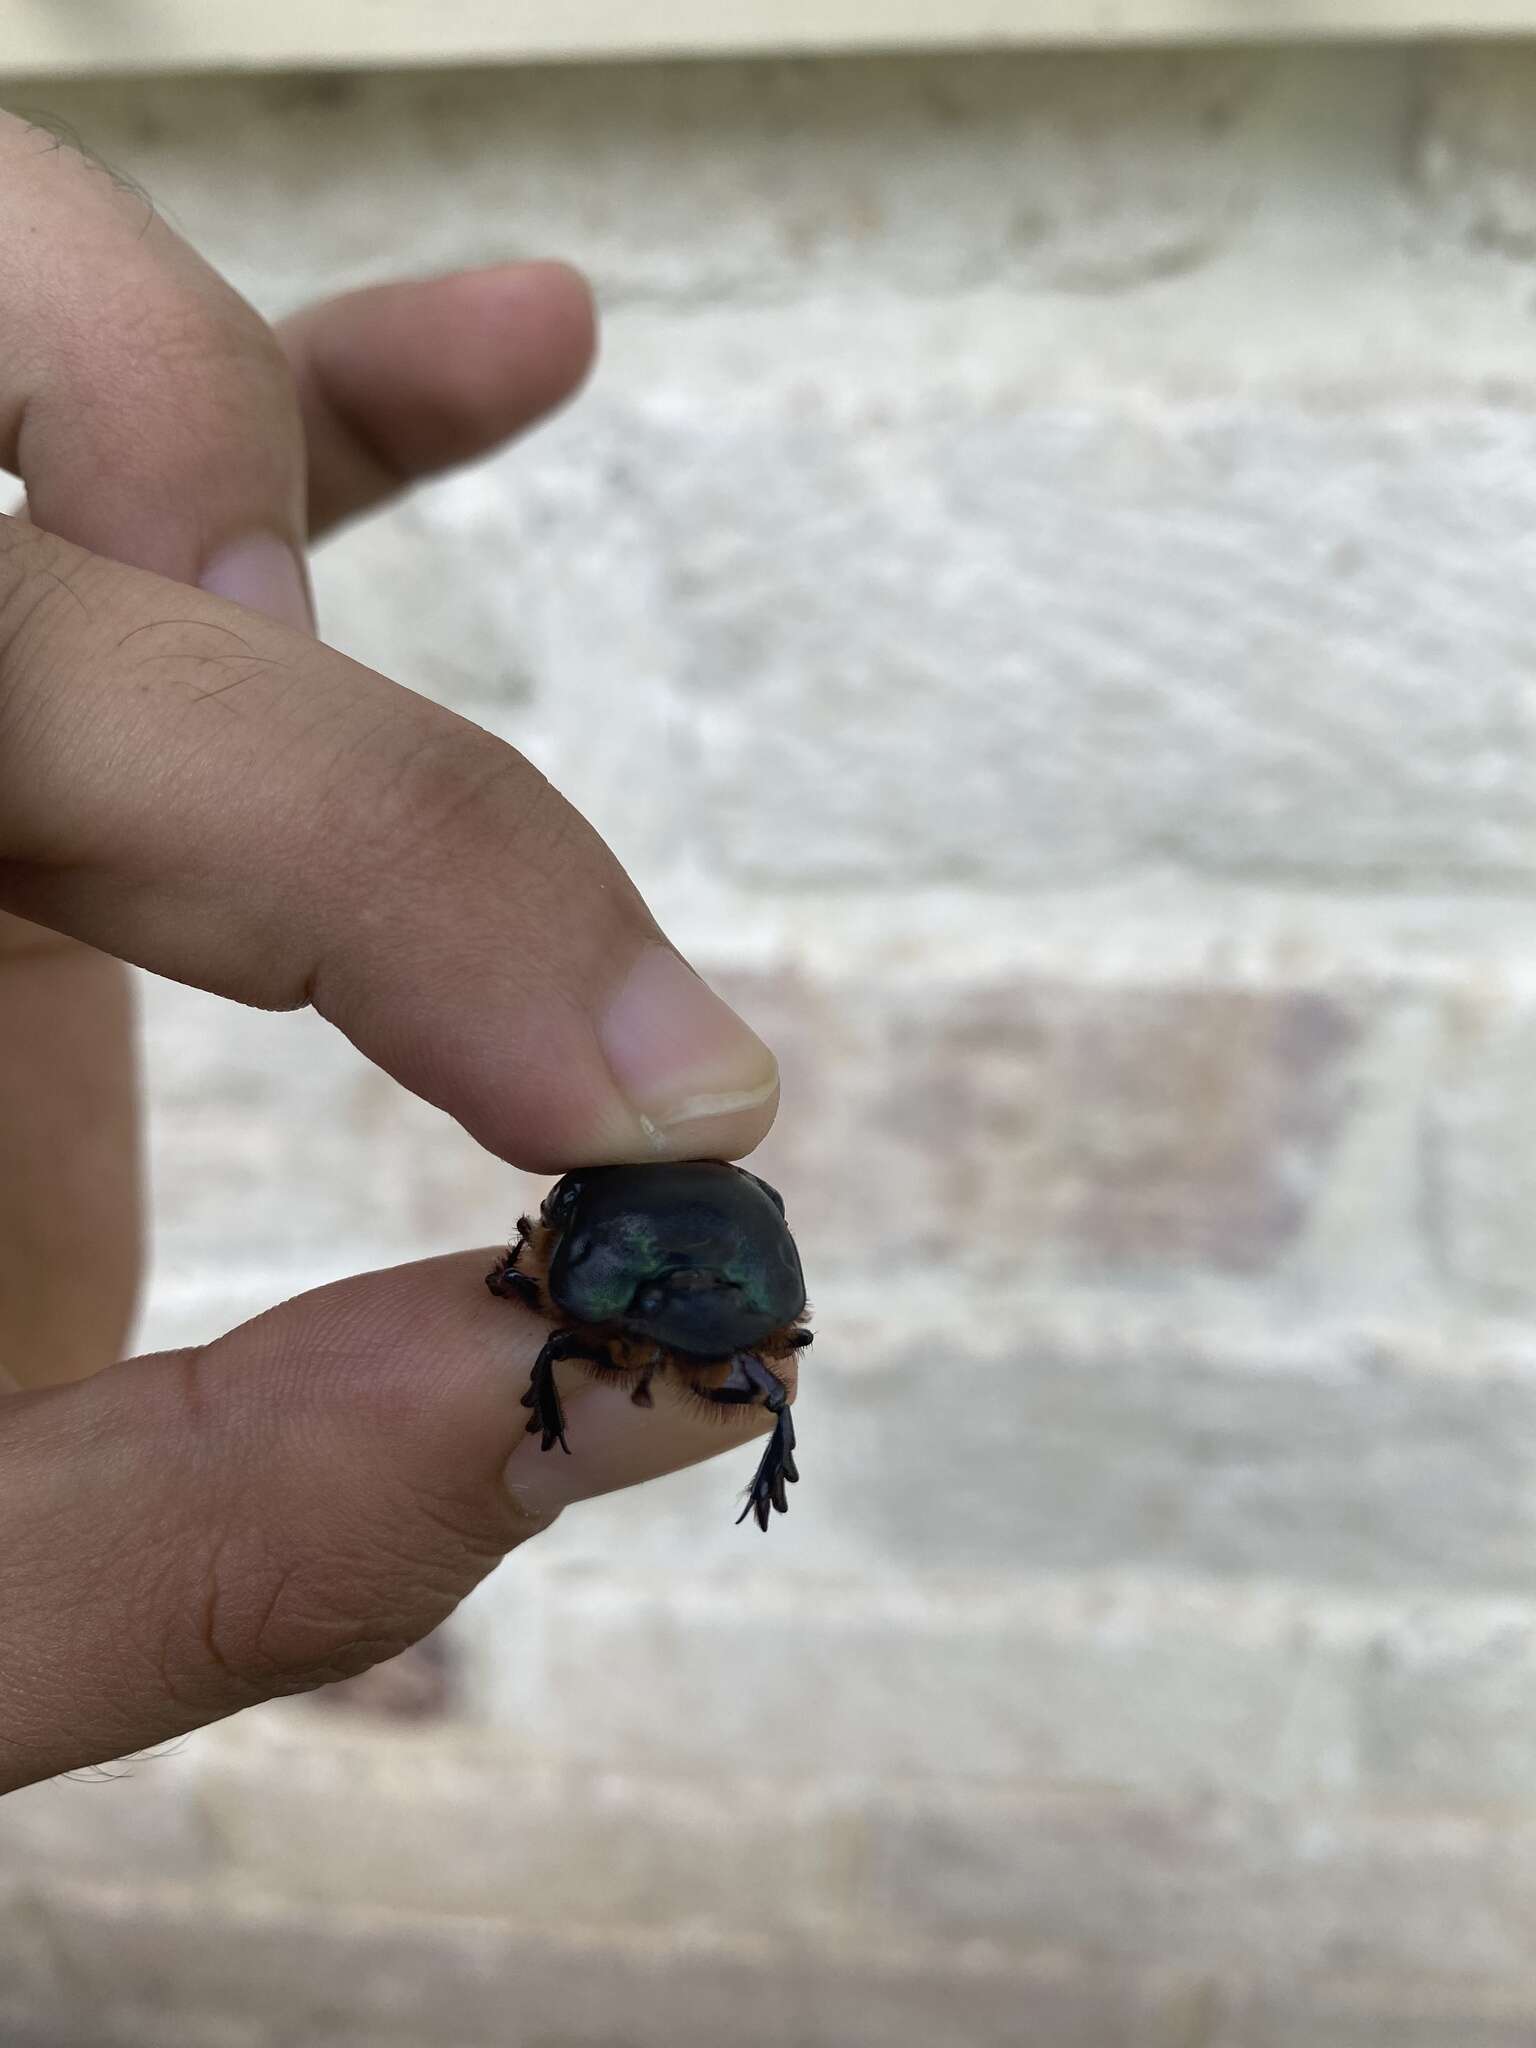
(195, 785)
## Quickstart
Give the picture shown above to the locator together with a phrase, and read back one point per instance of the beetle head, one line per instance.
(559, 1205)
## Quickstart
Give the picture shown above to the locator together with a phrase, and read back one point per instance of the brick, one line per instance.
(1085, 1909)
(815, 1692)
(1136, 1684)
(275, 1145)
(421, 1684)
(1003, 1127)
(1145, 1685)
(23, 2030)
(1036, 1126)
(507, 1835)
(73, 2026)
(142, 1813)
(1045, 644)
(1427, 2013)
(1211, 1885)
(30, 1963)
(1405, 2010)
(977, 639)
(1445, 1711)
(350, 1978)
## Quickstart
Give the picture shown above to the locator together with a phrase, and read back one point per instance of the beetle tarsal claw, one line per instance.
(543, 1397)
(776, 1470)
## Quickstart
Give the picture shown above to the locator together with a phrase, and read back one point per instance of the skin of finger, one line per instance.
(196, 1531)
(205, 793)
(388, 389)
(127, 358)
(152, 416)
(403, 380)
(69, 1190)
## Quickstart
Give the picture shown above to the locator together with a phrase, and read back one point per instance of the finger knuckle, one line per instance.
(268, 1624)
(430, 785)
(273, 1600)
(199, 333)
(249, 1621)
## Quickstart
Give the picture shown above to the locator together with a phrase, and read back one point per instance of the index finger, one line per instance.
(211, 795)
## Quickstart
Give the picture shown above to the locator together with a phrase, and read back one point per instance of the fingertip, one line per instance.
(413, 377)
(422, 1367)
(525, 335)
(697, 1078)
(569, 308)
(732, 1128)
(647, 1065)
(615, 1444)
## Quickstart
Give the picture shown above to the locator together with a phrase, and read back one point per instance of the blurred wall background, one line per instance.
(1042, 595)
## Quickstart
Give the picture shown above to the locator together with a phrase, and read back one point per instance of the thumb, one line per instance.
(197, 1531)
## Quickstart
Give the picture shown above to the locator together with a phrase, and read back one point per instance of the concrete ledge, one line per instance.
(186, 34)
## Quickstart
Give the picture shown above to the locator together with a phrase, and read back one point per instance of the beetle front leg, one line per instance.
(751, 1380)
(543, 1396)
(505, 1280)
(777, 1467)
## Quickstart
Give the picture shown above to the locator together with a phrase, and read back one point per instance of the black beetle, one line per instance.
(687, 1269)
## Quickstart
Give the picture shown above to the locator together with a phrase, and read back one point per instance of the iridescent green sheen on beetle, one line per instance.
(686, 1270)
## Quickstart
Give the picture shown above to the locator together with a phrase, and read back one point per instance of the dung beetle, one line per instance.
(687, 1270)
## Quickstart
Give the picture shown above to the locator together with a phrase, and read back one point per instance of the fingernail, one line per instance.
(264, 573)
(542, 1484)
(680, 1055)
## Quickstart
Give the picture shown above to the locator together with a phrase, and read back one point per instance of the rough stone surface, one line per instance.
(1039, 595)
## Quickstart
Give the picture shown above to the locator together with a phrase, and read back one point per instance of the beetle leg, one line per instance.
(543, 1396)
(642, 1394)
(751, 1380)
(748, 1380)
(798, 1339)
(505, 1280)
(777, 1467)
